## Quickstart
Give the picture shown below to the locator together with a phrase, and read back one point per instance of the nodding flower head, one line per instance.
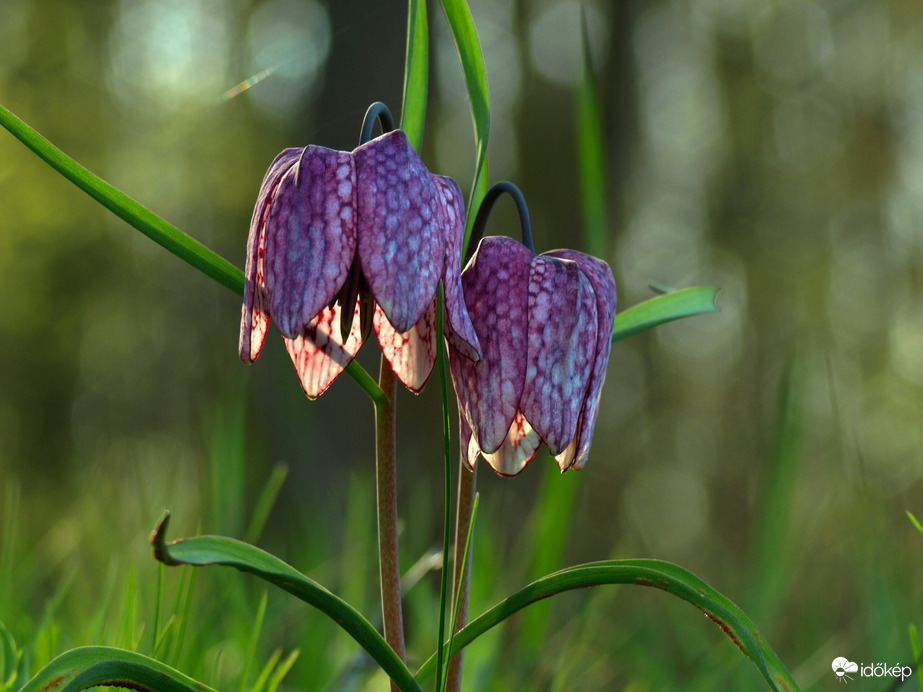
(341, 242)
(544, 323)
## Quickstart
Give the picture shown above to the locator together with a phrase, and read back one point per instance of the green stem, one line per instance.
(467, 489)
(386, 474)
(447, 497)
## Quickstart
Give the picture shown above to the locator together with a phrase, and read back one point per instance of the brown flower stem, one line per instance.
(386, 474)
(467, 484)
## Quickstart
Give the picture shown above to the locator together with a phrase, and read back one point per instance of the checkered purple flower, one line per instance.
(329, 226)
(544, 323)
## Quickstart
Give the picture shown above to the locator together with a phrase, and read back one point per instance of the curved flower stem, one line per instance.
(380, 112)
(487, 205)
(467, 489)
(386, 476)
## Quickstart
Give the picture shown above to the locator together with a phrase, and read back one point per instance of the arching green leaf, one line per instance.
(662, 575)
(217, 550)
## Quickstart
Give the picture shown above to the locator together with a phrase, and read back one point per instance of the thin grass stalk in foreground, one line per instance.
(457, 597)
(416, 73)
(458, 15)
(471, 57)
(591, 154)
(447, 495)
(467, 493)
(255, 631)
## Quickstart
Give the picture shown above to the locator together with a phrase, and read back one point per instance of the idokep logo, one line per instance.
(842, 667)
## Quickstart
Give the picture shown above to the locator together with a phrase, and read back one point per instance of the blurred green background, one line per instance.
(772, 149)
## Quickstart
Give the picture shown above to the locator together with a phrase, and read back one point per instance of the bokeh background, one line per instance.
(772, 149)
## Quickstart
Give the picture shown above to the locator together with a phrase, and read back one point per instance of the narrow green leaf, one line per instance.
(471, 57)
(217, 550)
(157, 229)
(685, 302)
(416, 73)
(914, 521)
(662, 575)
(84, 667)
(591, 155)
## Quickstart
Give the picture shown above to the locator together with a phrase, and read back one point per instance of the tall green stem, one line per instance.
(386, 473)
(467, 486)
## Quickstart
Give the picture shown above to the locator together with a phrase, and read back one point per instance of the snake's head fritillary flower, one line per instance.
(330, 226)
(544, 323)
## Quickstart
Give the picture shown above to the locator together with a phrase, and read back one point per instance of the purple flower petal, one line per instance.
(495, 286)
(411, 354)
(254, 316)
(310, 237)
(400, 240)
(562, 340)
(319, 354)
(458, 328)
(600, 277)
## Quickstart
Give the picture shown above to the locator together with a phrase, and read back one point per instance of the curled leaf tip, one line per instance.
(159, 543)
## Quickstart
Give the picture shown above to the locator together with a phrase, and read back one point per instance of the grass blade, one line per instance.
(471, 57)
(464, 566)
(914, 521)
(676, 305)
(416, 73)
(662, 575)
(256, 629)
(217, 550)
(266, 502)
(263, 677)
(89, 666)
(276, 678)
(591, 151)
(772, 567)
(915, 648)
(185, 594)
(10, 656)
